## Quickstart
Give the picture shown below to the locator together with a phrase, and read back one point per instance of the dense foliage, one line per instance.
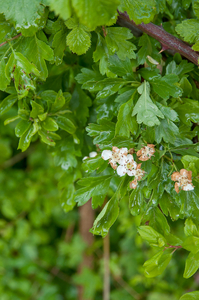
(74, 83)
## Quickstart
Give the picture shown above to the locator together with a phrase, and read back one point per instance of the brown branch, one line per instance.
(106, 252)
(167, 40)
(85, 223)
(15, 37)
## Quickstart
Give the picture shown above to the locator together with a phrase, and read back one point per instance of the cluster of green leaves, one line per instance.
(122, 92)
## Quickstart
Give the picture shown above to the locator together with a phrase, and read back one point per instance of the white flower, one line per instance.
(92, 154)
(106, 154)
(139, 173)
(115, 157)
(121, 171)
(127, 166)
(146, 152)
(183, 180)
(188, 187)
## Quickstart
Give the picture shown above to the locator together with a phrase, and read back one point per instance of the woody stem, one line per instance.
(167, 40)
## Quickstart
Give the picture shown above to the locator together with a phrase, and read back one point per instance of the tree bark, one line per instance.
(167, 40)
(86, 222)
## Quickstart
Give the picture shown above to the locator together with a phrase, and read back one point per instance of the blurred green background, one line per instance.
(41, 248)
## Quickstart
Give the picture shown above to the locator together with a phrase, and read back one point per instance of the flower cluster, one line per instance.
(123, 162)
(146, 152)
(182, 180)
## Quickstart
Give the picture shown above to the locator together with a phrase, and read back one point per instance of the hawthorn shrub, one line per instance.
(111, 88)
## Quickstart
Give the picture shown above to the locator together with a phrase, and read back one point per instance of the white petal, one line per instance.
(92, 154)
(124, 151)
(134, 165)
(188, 187)
(85, 157)
(130, 158)
(131, 172)
(121, 171)
(123, 161)
(106, 154)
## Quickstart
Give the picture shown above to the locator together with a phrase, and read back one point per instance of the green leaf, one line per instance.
(190, 228)
(66, 124)
(187, 149)
(152, 236)
(5, 28)
(146, 111)
(101, 54)
(191, 163)
(67, 198)
(116, 40)
(190, 296)
(27, 17)
(95, 187)
(61, 7)
(49, 95)
(46, 138)
(22, 127)
(188, 29)
(59, 45)
(186, 3)
(186, 86)
(167, 131)
(106, 87)
(102, 132)
(37, 109)
(59, 101)
(88, 75)
(95, 13)
(191, 265)
(106, 218)
(148, 47)
(4, 80)
(136, 202)
(191, 244)
(121, 68)
(78, 40)
(126, 124)
(183, 68)
(168, 112)
(189, 111)
(43, 116)
(157, 264)
(165, 86)
(7, 103)
(49, 124)
(139, 10)
(156, 220)
(21, 68)
(81, 102)
(25, 139)
(36, 51)
(94, 164)
(10, 120)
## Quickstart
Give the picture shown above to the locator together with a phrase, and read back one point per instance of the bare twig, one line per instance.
(15, 37)
(167, 40)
